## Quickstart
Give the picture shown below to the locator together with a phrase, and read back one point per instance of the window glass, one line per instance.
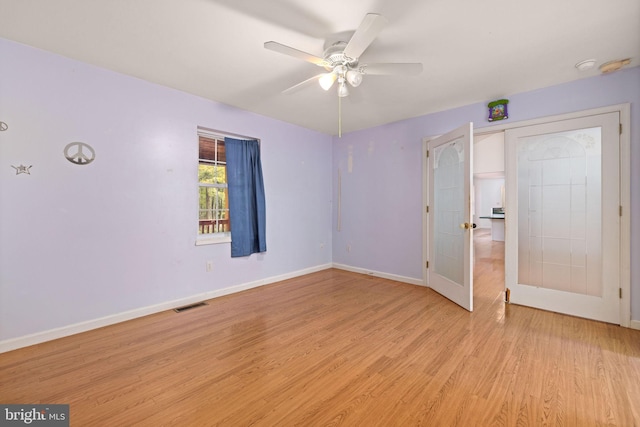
(212, 176)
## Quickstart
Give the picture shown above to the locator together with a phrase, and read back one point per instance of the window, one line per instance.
(213, 218)
(228, 166)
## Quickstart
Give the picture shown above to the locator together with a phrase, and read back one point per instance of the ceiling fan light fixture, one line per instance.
(341, 60)
(354, 77)
(327, 80)
(343, 90)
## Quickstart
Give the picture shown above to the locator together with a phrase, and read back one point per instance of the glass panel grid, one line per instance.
(559, 198)
(449, 210)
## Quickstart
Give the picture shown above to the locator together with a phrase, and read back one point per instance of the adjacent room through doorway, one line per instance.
(488, 215)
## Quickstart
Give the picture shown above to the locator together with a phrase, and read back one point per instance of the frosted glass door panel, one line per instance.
(562, 246)
(448, 174)
(559, 214)
(449, 250)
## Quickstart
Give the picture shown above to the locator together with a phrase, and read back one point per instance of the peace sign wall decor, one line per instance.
(79, 153)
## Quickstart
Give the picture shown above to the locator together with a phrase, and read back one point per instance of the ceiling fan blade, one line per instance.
(302, 84)
(368, 30)
(402, 69)
(287, 50)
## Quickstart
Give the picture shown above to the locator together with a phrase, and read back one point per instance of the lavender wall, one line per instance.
(82, 242)
(78, 243)
(382, 196)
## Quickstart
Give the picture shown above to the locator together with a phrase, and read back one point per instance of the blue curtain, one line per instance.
(246, 197)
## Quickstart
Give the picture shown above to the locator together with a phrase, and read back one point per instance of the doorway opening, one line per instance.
(549, 227)
(488, 214)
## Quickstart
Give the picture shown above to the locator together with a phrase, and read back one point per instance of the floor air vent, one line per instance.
(189, 307)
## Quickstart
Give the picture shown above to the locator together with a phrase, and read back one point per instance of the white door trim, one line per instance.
(625, 191)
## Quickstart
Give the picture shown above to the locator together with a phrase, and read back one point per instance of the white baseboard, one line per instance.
(52, 334)
(389, 276)
(635, 324)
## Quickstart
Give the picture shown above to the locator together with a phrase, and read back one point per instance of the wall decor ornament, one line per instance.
(22, 169)
(498, 110)
(3, 126)
(75, 153)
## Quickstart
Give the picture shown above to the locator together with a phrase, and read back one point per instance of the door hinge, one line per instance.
(427, 264)
(620, 289)
(620, 210)
(427, 208)
(620, 129)
(427, 153)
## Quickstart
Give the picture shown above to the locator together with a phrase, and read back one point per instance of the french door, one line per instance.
(562, 216)
(449, 222)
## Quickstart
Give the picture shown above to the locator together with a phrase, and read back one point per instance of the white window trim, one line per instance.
(213, 239)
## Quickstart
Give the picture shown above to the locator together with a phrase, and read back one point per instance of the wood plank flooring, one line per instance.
(338, 348)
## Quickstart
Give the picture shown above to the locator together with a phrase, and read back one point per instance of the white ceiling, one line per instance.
(472, 51)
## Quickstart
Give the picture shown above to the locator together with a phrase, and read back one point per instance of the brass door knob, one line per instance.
(466, 225)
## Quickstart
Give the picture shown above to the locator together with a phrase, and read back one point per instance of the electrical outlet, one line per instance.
(348, 248)
(209, 266)
(321, 245)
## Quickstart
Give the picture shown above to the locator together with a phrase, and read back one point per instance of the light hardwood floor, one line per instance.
(338, 348)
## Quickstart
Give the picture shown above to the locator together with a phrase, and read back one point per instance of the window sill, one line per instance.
(212, 240)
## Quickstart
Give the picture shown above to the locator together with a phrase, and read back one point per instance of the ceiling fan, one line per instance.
(341, 59)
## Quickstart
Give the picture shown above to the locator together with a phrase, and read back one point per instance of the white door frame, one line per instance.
(625, 191)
